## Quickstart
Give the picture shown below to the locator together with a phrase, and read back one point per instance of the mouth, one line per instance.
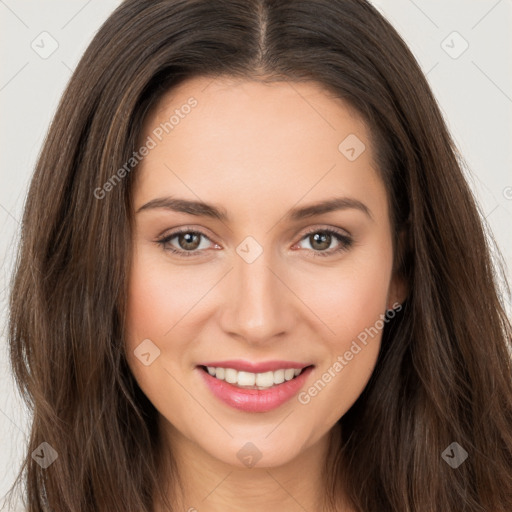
(252, 380)
(255, 391)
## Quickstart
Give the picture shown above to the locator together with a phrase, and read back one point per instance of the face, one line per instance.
(256, 284)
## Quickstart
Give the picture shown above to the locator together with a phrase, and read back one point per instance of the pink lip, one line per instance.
(265, 366)
(255, 400)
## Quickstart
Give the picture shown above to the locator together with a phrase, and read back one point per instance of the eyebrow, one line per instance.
(200, 208)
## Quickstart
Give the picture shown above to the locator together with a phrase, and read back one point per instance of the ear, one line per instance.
(398, 290)
(399, 286)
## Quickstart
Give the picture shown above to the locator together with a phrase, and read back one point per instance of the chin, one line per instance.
(260, 448)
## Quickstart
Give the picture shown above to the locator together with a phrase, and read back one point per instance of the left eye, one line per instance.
(320, 240)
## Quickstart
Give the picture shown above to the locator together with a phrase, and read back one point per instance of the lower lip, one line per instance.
(255, 400)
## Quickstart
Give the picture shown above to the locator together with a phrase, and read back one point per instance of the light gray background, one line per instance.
(474, 91)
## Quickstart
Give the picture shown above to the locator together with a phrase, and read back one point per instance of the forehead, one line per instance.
(231, 102)
(248, 141)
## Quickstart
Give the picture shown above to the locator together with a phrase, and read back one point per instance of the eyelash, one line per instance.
(345, 242)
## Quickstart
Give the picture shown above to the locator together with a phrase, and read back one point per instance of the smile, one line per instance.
(249, 380)
(254, 391)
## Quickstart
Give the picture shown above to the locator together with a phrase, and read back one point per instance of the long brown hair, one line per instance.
(444, 371)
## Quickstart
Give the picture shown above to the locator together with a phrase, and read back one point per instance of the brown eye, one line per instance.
(189, 241)
(185, 242)
(321, 240)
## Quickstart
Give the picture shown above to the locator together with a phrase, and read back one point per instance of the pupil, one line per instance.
(324, 238)
(189, 241)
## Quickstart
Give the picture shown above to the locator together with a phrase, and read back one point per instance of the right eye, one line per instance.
(189, 242)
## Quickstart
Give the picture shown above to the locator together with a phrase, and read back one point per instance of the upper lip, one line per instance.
(263, 366)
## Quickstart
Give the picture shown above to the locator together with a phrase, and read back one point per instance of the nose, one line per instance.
(258, 305)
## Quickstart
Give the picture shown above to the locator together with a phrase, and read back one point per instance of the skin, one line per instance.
(256, 150)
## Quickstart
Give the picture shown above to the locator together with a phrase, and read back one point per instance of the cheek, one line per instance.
(350, 297)
(159, 298)
(150, 301)
(157, 301)
(349, 303)
(160, 295)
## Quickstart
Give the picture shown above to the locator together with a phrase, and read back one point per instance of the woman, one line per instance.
(252, 275)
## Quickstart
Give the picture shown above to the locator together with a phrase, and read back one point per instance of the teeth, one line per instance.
(246, 379)
(253, 380)
(289, 374)
(230, 375)
(278, 376)
(264, 380)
